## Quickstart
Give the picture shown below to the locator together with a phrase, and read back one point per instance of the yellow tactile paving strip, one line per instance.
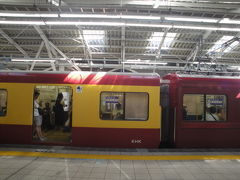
(120, 157)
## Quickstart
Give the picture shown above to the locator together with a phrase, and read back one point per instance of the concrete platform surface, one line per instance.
(58, 162)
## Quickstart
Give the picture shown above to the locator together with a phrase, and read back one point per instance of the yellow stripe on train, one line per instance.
(86, 105)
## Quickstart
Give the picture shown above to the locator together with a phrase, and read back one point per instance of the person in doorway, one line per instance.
(59, 112)
(46, 117)
(37, 117)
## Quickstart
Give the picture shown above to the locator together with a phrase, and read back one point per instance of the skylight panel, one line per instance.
(156, 39)
(94, 36)
(231, 47)
(219, 45)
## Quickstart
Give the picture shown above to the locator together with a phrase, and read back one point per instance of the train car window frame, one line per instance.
(124, 105)
(3, 112)
(217, 108)
(212, 117)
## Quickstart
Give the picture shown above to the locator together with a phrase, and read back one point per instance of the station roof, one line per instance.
(136, 35)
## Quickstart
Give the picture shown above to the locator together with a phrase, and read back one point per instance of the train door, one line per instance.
(52, 114)
(168, 118)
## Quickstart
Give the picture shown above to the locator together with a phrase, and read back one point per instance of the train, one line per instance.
(122, 110)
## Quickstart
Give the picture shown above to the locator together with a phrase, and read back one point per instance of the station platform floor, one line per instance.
(71, 163)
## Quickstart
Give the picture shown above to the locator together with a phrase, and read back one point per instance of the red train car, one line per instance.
(200, 111)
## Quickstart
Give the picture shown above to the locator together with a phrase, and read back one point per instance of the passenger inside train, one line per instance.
(211, 114)
(3, 102)
(54, 124)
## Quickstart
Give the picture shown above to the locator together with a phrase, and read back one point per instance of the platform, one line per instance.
(58, 162)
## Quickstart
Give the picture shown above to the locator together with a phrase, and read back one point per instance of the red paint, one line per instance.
(208, 138)
(15, 134)
(205, 134)
(87, 137)
(81, 78)
(115, 137)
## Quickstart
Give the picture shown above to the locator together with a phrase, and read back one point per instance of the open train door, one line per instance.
(52, 114)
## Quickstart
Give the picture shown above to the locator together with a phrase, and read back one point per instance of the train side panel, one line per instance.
(16, 125)
(206, 134)
(90, 130)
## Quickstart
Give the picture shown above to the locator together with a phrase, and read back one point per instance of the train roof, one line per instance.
(200, 77)
(81, 77)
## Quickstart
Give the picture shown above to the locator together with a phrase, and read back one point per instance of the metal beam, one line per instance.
(87, 51)
(198, 46)
(44, 38)
(37, 55)
(158, 52)
(48, 43)
(123, 42)
(63, 55)
(10, 40)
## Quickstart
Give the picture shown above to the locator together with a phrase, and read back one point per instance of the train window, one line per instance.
(3, 102)
(200, 107)
(112, 105)
(124, 106)
(193, 107)
(215, 108)
(136, 106)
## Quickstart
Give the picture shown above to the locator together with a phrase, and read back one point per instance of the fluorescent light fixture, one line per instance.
(104, 23)
(143, 62)
(31, 60)
(110, 16)
(191, 19)
(133, 60)
(140, 17)
(23, 22)
(84, 23)
(199, 28)
(27, 15)
(202, 63)
(218, 45)
(149, 25)
(228, 21)
(90, 16)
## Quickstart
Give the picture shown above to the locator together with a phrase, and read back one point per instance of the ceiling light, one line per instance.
(103, 23)
(84, 23)
(144, 62)
(31, 60)
(27, 15)
(90, 15)
(191, 19)
(23, 22)
(228, 21)
(110, 16)
(140, 17)
(198, 27)
(149, 25)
